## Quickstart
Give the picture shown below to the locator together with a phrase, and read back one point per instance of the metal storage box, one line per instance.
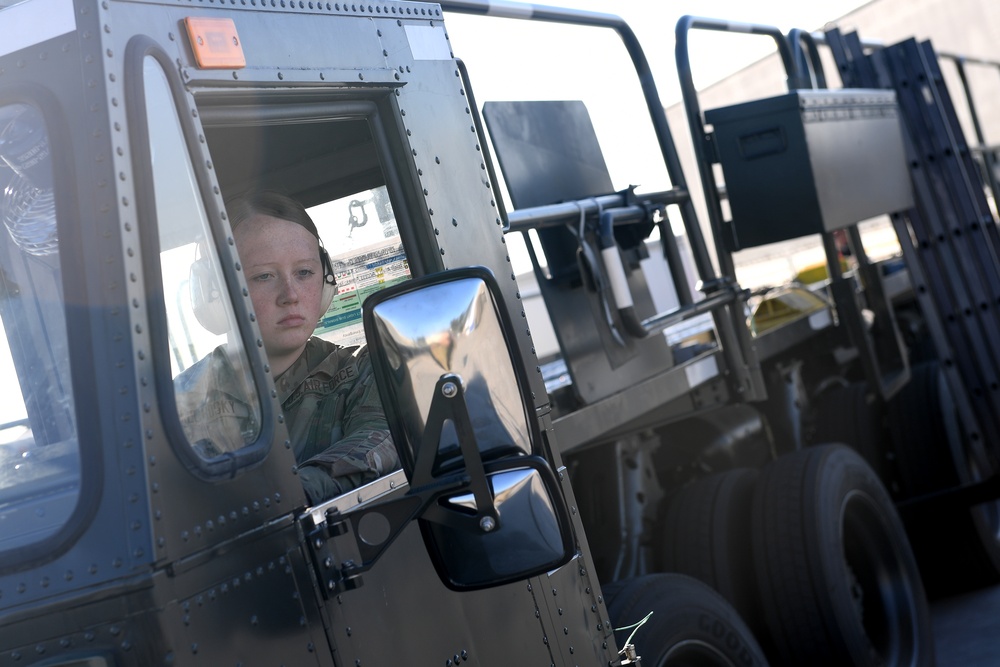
(810, 161)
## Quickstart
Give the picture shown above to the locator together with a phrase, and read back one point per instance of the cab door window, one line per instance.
(329, 157)
(217, 403)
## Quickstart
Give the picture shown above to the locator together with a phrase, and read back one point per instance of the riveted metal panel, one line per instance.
(109, 539)
(580, 630)
(212, 512)
(251, 604)
(404, 593)
(451, 166)
(120, 629)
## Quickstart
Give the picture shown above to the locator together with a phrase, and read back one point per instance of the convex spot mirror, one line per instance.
(455, 394)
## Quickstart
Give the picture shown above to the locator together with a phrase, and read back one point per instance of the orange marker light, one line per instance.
(215, 43)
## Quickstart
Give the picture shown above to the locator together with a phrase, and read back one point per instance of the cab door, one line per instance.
(231, 578)
(325, 125)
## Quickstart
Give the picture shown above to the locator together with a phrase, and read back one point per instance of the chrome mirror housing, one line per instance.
(449, 327)
(456, 398)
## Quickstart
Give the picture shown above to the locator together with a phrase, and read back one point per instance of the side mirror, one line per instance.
(528, 538)
(455, 395)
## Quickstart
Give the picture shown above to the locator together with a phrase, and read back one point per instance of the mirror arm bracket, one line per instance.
(449, 403)
(419, 502)
(337, 575)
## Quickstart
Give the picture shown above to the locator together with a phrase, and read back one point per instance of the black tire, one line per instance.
(837, 579)
(957, 551)
(923, 429)
(706, 535)
(852, 414)
(691, 624)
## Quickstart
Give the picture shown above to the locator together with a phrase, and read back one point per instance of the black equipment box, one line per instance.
(810, 161)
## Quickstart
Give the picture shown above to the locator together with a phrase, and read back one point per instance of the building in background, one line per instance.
(959, 27)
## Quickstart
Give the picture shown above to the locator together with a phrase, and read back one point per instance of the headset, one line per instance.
(206, 292)
(329, 279)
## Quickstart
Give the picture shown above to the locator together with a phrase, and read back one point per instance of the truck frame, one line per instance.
(679, 485)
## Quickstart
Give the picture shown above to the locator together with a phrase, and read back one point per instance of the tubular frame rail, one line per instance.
(803, 68)
(668, 150)
(743, 371)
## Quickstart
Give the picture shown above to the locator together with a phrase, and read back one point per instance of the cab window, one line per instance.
(216, 400)
(39, 449)
(329, 158)
(367, 255)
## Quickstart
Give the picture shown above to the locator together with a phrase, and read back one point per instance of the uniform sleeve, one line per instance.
(215, 415)
(364, 452)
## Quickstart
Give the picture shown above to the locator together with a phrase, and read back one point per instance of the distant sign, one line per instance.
(361, 273)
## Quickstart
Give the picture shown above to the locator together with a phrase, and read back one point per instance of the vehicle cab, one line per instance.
(124, 127)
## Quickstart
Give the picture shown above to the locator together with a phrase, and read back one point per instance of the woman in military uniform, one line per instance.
(328, 395)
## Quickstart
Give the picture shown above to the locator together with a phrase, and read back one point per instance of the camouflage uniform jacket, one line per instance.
(332, 411)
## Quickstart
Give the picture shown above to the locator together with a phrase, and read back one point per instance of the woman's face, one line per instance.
(283, 271)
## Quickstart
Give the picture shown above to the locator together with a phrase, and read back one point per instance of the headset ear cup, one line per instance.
(329, 281)
(206, 297)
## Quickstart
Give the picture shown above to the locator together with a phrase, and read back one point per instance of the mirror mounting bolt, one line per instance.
(449, 390)
(487, 523)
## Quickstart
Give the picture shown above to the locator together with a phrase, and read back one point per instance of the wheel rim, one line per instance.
(694, 653)
(881, 589)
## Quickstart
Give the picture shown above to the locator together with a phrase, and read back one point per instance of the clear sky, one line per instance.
(511, 59)
(654, 22)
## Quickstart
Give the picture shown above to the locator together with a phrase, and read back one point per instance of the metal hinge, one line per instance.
(333, 576)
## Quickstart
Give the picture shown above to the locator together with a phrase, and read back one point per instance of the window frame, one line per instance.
(80, 348)
(229, 464)
(372, 106)
(199, 110)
